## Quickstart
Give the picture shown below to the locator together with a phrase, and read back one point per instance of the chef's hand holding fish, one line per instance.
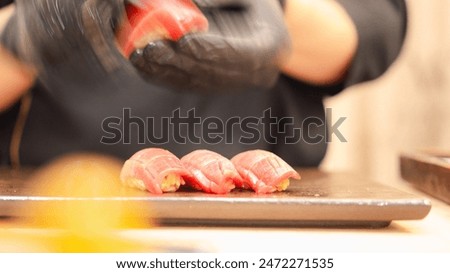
(202, 45)
(242, 48)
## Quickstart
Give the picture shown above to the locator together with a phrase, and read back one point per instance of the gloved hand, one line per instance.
(67, 41)
(245, 42)
(74, 41)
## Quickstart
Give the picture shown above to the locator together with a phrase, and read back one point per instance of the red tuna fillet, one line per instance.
(155, 170)
(151, 20)
(211, 172)
(263, 171)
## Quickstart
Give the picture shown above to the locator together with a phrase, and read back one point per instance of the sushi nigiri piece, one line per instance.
(151, 20)
(263, 171)
(155, 170)
(210, 172)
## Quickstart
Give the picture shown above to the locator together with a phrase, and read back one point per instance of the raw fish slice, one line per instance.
(155, 170)
(210, 172)
(263, 171)
(152, 20)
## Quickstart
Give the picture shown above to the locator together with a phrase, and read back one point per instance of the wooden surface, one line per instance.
(319, 199)
(429, 172)
(431, 234)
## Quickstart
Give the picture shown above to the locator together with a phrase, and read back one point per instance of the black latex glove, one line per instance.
(242, 49)
(70, 40)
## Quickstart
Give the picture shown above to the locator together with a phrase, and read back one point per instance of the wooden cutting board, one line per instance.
(319, 199)
(429, 172)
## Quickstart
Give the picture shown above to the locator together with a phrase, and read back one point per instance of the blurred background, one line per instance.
(405, 110)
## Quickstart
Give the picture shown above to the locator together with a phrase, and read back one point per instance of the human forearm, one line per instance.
(15, 77)
(324, 41)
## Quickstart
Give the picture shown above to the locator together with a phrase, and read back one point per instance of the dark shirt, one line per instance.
(122, 115)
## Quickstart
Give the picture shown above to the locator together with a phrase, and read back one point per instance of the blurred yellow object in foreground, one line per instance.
(86, 206)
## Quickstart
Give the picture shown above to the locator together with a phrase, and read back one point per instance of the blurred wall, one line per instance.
(407, 109)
